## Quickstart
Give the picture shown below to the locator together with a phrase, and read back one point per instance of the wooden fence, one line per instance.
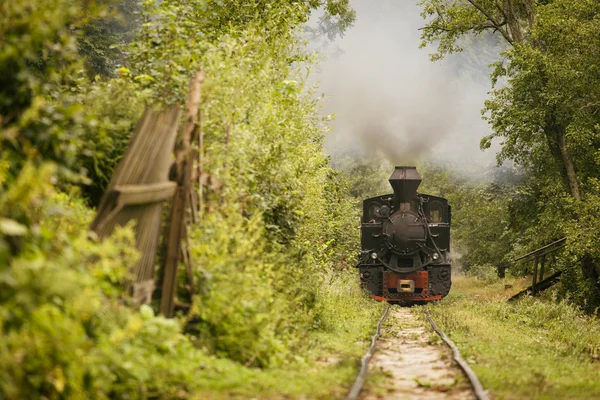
(157, 168)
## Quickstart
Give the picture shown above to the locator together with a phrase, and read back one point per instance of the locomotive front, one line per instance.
(405, 239)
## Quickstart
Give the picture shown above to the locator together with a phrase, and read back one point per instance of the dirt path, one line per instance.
(406, 366)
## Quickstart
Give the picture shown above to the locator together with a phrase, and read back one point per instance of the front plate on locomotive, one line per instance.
(391, 290)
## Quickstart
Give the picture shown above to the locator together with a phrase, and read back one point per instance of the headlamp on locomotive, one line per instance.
(405, 239)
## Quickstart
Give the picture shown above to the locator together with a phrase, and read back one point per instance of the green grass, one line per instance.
(325, 373)
(531, 349)
(325, 370)
(226, 380)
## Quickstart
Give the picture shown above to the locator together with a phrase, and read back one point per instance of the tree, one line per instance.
(544, 103)
(103, 39)
(38, 119)
(539, 102)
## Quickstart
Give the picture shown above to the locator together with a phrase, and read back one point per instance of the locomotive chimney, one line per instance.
(405, 181)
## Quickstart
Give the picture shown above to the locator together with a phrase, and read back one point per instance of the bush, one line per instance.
(67, 330)
(251, 307)
(271, 250)
(486, 272)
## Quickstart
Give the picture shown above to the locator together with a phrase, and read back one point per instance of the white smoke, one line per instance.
(390, 100)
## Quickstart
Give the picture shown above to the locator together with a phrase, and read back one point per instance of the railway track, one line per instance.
(476, 389)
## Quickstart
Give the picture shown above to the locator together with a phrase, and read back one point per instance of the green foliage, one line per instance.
(277, 218)
(37, 117)
(343, 309)
(112, 110)
(103, 39)
(20, 206)
(68, 332)
(544, 110)
(175, 35)
(272, 251)
(48, 109)
(448, 21)
(482, 235)
(366, 177)
(246, 313)
(30, 61)
(546, 88)
(554, 84)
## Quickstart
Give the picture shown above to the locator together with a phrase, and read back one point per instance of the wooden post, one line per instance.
(542, 267)
(177, 221)
(501, 272)
(535, 272)
(200, 169)
(187, 260)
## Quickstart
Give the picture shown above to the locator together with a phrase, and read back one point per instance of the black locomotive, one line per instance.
(405, 239)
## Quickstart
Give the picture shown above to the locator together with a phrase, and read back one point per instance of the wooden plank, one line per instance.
(169, 281)
(193, 206)
(541, 249)
(144, 194)
(132, 195)
(142, 291)
(184, 169)
(147, 161)
(541, 286)
(187, 260)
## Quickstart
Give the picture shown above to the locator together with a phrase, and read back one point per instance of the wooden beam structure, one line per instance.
(137, 190)
(538, 283)
(139, 187)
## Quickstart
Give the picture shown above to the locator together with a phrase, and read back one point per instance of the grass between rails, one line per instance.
(531, 349)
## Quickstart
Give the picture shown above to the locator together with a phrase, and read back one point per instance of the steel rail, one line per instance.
(473, 380)
(360, 380)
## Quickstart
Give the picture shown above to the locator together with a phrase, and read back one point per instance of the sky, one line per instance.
(391, 101)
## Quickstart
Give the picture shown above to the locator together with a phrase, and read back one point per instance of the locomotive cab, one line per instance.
(405, 240)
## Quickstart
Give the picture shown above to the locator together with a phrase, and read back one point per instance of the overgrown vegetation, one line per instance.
(544, 109)
(531, 349)
(273, 248)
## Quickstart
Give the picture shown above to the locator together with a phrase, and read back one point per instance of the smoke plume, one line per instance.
(391, 101)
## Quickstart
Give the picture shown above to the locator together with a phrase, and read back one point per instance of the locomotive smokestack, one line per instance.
(405, 181)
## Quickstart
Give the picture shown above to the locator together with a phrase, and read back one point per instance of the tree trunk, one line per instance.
(529, 9)
(568, 166)
(555, 135)
(513, 22)
(558, 147)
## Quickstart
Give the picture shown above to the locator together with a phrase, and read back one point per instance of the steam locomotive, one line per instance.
(405, 240)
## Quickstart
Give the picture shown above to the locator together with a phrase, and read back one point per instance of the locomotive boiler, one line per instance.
(405, 240)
